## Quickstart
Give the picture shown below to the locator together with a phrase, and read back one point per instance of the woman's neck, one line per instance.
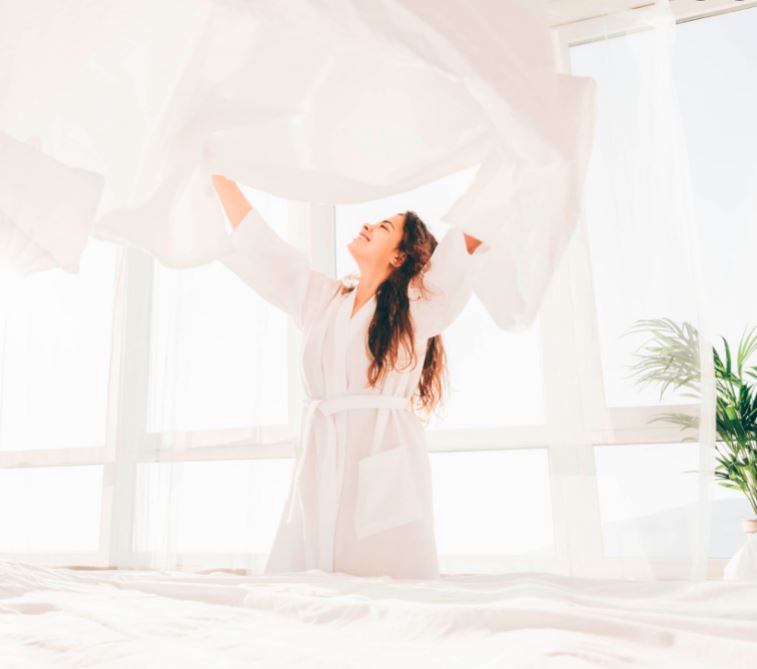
(366, 288)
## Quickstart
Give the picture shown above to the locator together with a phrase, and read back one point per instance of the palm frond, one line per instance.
(669, 357)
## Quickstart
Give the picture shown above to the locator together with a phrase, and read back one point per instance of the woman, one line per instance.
(360, 501)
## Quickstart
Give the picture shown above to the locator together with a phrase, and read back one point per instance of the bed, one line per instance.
(62, 617)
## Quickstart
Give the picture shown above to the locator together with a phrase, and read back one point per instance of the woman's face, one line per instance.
(376, 244)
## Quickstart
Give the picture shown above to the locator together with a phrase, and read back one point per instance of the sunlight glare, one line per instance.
(9, 280)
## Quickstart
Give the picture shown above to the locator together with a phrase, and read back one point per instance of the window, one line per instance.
(49, 509)
(208, 327)
(58, 329)
(214, 506)
(646, 501)
(714, 62)
(484, 505)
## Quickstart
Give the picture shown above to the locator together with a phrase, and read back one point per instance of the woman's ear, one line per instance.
(398, 257)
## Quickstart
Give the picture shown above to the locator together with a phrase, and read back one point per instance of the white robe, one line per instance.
(360, 500)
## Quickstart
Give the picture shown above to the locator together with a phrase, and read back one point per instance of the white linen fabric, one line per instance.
(46, 208)
(360, 499)
(329, 101)
(164, 619)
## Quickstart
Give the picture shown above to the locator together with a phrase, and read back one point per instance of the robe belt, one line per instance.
(330, 470)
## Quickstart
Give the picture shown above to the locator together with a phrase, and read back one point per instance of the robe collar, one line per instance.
(346, 329)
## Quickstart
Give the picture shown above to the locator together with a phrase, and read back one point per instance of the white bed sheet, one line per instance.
(57, 617)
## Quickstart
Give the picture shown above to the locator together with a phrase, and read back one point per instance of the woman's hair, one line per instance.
(391, 328)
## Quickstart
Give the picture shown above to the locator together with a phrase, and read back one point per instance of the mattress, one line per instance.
(59, 617)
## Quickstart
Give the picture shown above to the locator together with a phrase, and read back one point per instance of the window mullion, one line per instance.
(128, 403)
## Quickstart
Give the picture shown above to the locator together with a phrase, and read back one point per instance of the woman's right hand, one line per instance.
(235, 204)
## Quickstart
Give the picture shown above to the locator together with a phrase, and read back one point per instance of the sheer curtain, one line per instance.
(660, 218)
(624, 479)
(148, 411)
(204, 374)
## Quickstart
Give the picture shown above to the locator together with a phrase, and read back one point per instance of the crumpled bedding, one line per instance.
(58, 617)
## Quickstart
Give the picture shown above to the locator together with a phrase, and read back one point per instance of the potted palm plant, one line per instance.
(670, 357)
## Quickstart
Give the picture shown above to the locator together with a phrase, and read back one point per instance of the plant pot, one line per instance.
(749, 525)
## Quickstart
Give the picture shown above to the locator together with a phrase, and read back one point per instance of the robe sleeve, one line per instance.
(448, 283)
(278, 271)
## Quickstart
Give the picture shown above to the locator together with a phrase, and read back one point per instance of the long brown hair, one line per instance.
(391, 328)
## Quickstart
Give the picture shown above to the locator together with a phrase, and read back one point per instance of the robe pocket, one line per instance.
(388, 493)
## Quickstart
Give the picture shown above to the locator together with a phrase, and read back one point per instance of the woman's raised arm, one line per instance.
(275, 269)
(449, 281)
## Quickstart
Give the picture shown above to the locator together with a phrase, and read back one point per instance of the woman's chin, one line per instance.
(354, 251)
